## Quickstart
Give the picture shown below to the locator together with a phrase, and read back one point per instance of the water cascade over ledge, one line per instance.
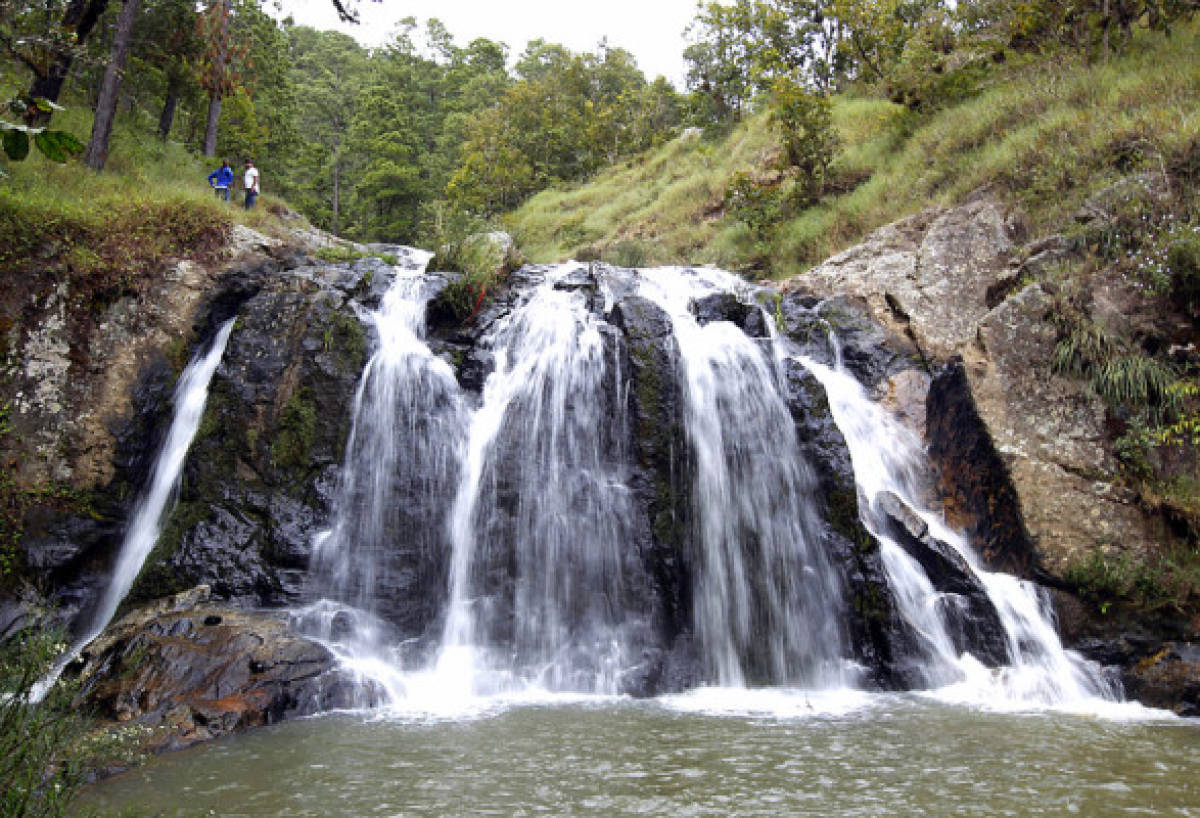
(617, 501)
(141, 533)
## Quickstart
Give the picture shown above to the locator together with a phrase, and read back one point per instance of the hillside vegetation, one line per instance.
(1044, 134)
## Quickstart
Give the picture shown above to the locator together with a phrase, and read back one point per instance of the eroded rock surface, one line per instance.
(945, 280)
(189, 670)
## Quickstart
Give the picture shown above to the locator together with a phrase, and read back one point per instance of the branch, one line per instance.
(346, 12)
(21, 56)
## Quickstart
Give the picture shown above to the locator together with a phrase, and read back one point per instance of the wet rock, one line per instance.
(276, 422)
(660, 449)
(186, 684)
(1168, 679)
(822, 328)
(974, 621)
(880, 641)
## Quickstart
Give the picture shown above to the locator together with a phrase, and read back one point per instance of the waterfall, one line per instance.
(768, 603)
(542, 510)
(888, 458)
(486, 544)
(402, 459)
(191, 394)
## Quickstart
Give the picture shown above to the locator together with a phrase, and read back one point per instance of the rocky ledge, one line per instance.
(187, 670)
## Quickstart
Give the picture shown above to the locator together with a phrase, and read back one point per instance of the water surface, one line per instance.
(714, 753)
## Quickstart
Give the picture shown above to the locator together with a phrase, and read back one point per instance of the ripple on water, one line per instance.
(881, 755)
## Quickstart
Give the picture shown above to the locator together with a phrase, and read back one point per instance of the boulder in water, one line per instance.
(974, 623)
(190, 670)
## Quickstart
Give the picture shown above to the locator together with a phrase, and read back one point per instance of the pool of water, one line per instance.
(709, 753)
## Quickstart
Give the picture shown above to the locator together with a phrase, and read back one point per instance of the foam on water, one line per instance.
(772, 702)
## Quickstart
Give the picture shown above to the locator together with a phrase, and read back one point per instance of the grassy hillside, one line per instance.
(151, 203)
(1044, 134)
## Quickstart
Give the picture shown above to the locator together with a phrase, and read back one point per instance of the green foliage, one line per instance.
(41, 765)
(1167, 579)
(15, 138)
(297, 431)
(1183, 261)
(1126, 380)
(805, 123)
(1044, 135)
(756, 203)
(339, 253)
(568, 116)
(627, 253)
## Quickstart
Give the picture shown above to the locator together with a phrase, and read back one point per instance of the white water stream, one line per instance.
(191, 394)
(888, 457)
(532, 479)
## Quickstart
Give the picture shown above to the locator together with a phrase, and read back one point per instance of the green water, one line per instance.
(889, 755)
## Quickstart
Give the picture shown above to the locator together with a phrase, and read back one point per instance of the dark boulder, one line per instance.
(190, 671)
(728, 307)
(660, 451)
(974, 623)
(1168, 679)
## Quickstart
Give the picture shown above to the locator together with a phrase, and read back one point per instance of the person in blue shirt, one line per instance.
(221, 179)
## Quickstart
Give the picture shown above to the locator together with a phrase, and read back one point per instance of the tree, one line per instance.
(46, 37)
(106, 104)
(218, 80)
(329, 70)
(168, 44)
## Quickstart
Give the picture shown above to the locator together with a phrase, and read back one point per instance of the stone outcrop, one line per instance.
(974, 623)
(187, 670)
(943, 280)
(263, 468)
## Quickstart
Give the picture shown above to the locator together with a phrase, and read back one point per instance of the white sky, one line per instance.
(652, 30)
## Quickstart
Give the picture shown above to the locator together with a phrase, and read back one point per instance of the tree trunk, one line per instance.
(337, 188)
(80, 17)
(210, 130)
(214, 99)
(106, 106)
(167, 119)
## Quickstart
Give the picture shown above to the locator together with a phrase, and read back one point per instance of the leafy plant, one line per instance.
(41, 765)
(55, 145)
(805, 122)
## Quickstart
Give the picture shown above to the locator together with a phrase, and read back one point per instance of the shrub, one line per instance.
(809, 141)
(41, 765)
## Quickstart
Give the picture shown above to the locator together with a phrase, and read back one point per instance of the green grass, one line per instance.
(1044, 135)
(151, 203)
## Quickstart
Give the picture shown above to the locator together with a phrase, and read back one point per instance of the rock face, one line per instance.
(942, 279)
(974, 622)
(190, 670)
(263, 467)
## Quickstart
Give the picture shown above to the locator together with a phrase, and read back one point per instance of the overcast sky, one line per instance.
(651, 29)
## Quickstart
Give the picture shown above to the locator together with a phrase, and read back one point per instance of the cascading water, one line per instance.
(515, 507)
(768, 603)
(191, 394)
(401, 460)
(887, 458)
(543, 508)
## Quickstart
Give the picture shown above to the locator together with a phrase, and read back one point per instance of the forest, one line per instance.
(428, 135)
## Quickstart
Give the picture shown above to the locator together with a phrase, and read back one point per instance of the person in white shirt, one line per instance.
(250, 182)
